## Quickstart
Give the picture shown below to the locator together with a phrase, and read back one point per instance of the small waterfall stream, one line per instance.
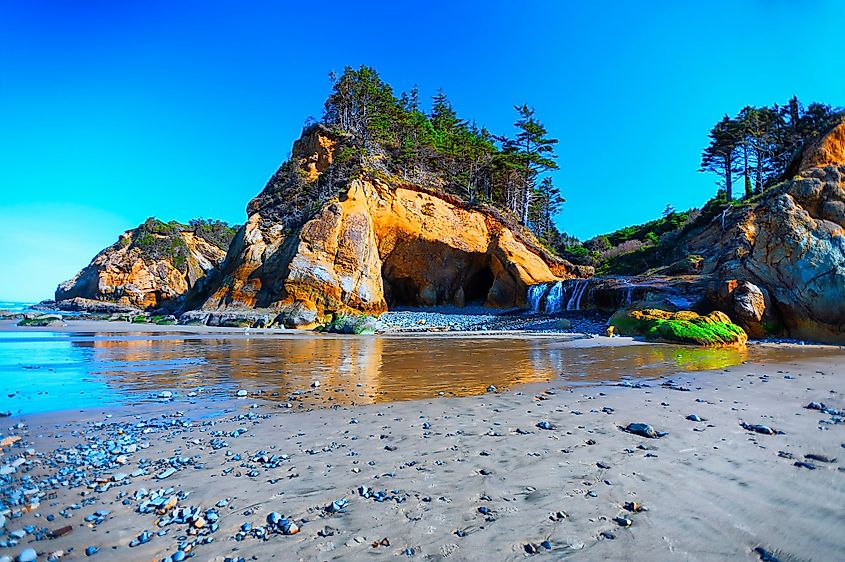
(549, 298)
(535, 296)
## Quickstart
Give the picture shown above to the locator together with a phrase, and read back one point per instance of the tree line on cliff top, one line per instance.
(437, 147)
(757, 145)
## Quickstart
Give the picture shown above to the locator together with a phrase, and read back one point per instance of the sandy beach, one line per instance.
(542, 470)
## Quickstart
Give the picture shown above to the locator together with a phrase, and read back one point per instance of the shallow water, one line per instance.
(50, 371)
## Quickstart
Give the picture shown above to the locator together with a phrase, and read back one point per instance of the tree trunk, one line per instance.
(745, 172)
(729, 193)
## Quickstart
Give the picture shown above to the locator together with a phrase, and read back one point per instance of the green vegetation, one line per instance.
(160, 240)
(759, 143)
(38, 322)
(683, 327)
(394, 137)
(383, 133)
(350, 324)
(156, 319)
(219, 233)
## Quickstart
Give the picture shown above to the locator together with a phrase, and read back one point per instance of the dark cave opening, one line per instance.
(478, 285)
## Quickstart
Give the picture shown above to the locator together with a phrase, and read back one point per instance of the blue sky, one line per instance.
(111, 112)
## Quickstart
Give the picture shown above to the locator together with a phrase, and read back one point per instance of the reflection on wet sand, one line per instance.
(375, 369)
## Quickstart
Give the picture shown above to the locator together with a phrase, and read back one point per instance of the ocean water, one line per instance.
(16, 306)
(48, 371)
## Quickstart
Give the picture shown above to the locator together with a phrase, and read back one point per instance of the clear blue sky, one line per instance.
(111, 112)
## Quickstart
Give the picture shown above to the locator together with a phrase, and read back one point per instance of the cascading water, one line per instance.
(549, 298)
(577, 293)
(553, 298)
(535, 296)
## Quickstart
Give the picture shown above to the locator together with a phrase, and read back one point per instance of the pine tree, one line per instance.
(720, 155)
(534, 151)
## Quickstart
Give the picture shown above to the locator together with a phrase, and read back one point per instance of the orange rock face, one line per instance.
(129, 274)
(379, 243)
(377, 246)
(826, 151)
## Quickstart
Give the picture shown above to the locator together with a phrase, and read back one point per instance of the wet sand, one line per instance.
(470, 478)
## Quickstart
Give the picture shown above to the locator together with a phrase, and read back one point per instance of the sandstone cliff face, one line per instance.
(379, 243)
(148, 267)
(781, 263)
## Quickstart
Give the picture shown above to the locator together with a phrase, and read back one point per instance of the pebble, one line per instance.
(643, 430)
(241, 393)
(27, 555)
(758, 428)
(166, 474)
(820, 458)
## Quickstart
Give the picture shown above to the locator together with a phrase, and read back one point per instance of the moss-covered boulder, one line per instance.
(712, 330)
(360, 325)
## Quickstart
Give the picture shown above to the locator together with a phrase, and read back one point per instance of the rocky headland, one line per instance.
(344, 228)
(150, 267)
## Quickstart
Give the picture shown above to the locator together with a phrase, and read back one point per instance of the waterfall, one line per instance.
(554, 297)
(549, 298)
(577, 293)
(629, 295)
(535, 296)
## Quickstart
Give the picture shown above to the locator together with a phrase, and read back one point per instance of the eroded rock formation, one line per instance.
(779, 265)
(380, 242)
(149, 267)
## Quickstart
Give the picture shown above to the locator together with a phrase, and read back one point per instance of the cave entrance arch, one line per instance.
(424, 273)
(478, 284)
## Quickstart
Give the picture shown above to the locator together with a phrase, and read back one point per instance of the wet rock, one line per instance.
(623, 521)
(545, 425)
(27, 555)
(807, 465)
(765, 555)
(633, 507)
(695, 418)
(607, 535)
(820, 458)
(759, 428)
(643, 430)
(337, 506)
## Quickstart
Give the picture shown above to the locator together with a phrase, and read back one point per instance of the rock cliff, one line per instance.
(379, 242)
(775, 264)
(781, 262)
(149, 267)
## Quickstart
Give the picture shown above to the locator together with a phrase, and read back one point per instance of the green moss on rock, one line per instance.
(351, 324)
(712, 330)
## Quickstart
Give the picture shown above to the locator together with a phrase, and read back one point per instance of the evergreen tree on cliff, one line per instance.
(760, 142)
(720, 155)
(440, 149)
(534, 152)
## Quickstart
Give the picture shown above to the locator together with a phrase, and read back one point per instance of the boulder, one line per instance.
(686, 327)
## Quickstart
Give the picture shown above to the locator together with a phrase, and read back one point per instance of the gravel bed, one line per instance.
(479, 318)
